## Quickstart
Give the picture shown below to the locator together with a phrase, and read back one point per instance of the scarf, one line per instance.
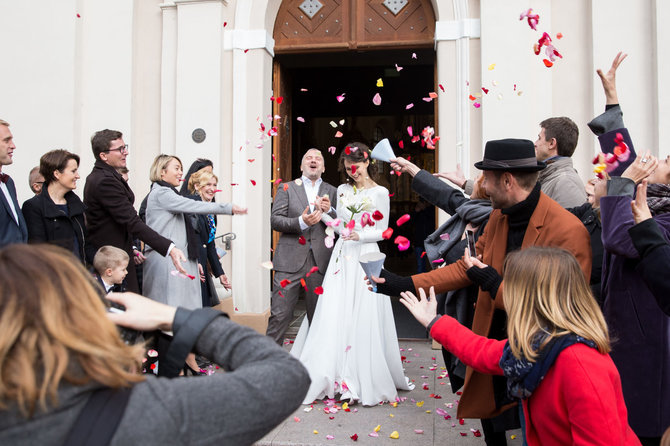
(524, 376)
(473, 211)
(658, 198)
(191, 236)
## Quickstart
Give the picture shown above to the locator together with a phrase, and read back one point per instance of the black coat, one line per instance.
(48, 224)
(111, 218)
(591, 220)
(206, 254)
(654, 259)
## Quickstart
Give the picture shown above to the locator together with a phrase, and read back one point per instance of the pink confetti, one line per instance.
(402, 242)
(402, 220)
(413, 55)
(338, 134)
(477, 104)
(373, 434)
(397, 67)
(300, 118)
(347, 349)
(440, 260)
(340, 98)
(332, 150)
(444, 236)
(418, 431)
(329, 437)
(533, 19)
(377, 99)
(410, 132)
(296, 419)
(432, 95)
(408, 106)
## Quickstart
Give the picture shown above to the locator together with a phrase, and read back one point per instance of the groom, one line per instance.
(296, 213)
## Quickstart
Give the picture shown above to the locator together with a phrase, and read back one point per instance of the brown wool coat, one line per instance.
(550, 225)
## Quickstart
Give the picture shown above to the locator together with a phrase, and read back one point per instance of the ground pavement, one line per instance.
(423, 416)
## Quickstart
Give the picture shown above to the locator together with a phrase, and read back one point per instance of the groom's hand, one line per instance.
(313, 218)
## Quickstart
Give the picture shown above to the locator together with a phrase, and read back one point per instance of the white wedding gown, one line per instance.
(351, 348)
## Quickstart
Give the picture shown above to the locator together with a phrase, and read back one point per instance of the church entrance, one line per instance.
(341, 80)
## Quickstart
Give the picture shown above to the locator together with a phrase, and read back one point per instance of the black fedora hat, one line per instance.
(511, 155)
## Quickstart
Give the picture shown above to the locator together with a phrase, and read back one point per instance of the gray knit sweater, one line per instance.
(263, 385)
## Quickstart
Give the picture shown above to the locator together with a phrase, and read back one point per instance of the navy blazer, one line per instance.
(10, 231)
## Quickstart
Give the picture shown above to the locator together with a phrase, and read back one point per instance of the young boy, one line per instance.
(110, 264)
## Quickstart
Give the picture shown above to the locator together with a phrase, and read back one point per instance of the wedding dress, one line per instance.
(351, 347)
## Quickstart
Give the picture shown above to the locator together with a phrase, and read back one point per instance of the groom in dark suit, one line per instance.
(13, 227)
(296, 213)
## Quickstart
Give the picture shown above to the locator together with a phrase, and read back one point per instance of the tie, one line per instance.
(4, 177)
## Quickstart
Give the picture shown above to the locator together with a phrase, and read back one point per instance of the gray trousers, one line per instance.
(284, 299)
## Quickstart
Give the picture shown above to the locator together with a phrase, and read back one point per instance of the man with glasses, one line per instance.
(110, 216)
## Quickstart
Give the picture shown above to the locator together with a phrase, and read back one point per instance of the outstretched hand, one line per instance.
(639, 206)
(400, 164)
(641, 168)
(455, 176)
(141, 313)
(425, 309)
(237, 210)
(609, 79)
(177, 257)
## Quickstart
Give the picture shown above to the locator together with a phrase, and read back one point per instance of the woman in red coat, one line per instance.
(556, 356)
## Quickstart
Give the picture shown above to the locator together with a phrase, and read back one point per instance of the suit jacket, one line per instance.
(111, 218)
(48, 224)
(10, 231)
(550, 225)
(288, 205)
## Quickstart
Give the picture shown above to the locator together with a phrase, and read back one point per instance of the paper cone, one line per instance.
(372, 264)
(383, 151)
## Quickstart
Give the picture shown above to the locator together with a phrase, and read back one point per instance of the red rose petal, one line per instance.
(284, 282)
(302, 240)
(377, 215)
(402, 220)
(318, 290)
(253, 182)
(547, 63)
(386, 235)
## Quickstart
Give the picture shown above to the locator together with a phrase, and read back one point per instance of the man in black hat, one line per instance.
(523, 216)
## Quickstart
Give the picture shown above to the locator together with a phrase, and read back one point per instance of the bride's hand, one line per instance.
(353, 235)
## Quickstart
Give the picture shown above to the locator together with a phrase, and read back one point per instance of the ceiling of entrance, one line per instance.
(318, 25)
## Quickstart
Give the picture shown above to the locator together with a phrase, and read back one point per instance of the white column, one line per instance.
(169, 78)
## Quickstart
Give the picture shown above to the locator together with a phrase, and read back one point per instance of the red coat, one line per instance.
(550, 225)
(579, 401)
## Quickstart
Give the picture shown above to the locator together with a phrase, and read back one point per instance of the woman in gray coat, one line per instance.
(169, 214)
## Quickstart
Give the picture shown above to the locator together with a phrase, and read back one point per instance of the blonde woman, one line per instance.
(168, 213)
(59, 346)
(202, 187)
(556, 356)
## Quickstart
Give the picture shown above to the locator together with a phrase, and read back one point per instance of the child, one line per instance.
(110, 264)
(556, 358)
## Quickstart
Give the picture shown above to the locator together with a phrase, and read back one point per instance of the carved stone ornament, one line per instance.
(395, 6)
(311, 7)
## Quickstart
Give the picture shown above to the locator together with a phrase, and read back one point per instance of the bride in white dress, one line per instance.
(351, 347)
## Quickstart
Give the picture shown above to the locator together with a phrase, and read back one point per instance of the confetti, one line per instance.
(267, 265)
(329, 437)
(373, 434)
(408, 106)
(533, 19)
(354, 437)
(246, 51)
(378, 428)
(413, 55)
(303, 283)
(477, 104)
(387, 234)
(402, 242)
(185, 276)
(285, 187)
(225, 24)
(296, 419)
(400, 144)
(318, 290)
(377, 215)
(380, 82)
(312, 271)
(492, 67)
(353, 170)
(485, 90)
(332, 150)
(315, 432)
(397, 67)
(402, 220)
(338, 134)
(78, 16)
(329, 242)
(559, 36)
(340, 98)
(419, 404)
(284, 282)
(547, 63)
(302, 240)
(441, 87)
(432, 95)
(333, 124)
(253, 182)
(251, 160)
(377, 99)
(395, 435)
(418, 431)
(300, 119)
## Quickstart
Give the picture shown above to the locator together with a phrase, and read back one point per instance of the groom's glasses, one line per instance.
(120, 149)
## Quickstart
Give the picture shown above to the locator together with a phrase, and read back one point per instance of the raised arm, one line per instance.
(168, 200)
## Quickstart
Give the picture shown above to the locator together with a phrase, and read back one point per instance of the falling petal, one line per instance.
(380, 82)
(347, 349)
(432, 95)
(547, 63)
(378, 428)
(373, 434)
(296, 419)
(492, 67)
(395, 435)
(333, 124)
(267, 265)
(332, 150)
(251, 160)
(402, 220)
(377, 99)
(418, 431)
(477, 104)
(472, 98)
(408, 106)
(441, 87)
(427, 99)
(318, 290)
(402, 242)
(413, 55)
(224, 24)
(409, 130)
(387, 234)
(485, 90)
(300, 119)
(303, 283)
(302, 240)
(340, 98)
(284, 282)
(377, 215)
(338, 134)
(559, 36)
(397, 67)
(253, 182)
(353, 169)
(341, 121)
(354, 437)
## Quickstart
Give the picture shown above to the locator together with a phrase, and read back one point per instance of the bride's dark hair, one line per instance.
(356, 152)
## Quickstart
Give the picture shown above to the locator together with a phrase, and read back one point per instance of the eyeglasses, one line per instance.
(119, 149)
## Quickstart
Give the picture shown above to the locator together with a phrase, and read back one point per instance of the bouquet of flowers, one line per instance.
(355, 205)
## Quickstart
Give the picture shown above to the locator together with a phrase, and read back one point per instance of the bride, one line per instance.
(351, 347)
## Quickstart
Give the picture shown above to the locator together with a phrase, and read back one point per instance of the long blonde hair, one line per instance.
(545, 291)
(55, 329)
